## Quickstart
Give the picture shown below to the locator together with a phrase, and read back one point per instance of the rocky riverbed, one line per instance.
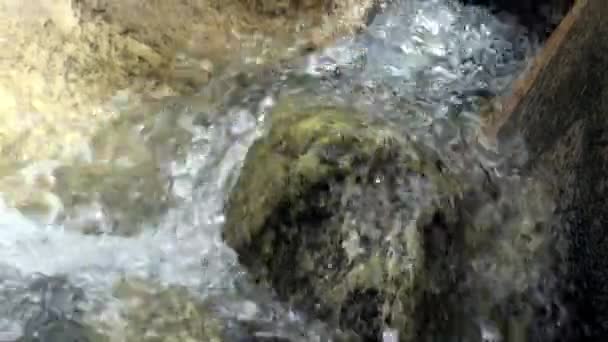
(266, 171)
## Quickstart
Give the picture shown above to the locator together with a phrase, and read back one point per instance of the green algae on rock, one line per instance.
(323, 212)
(69, 58)
(368, 230)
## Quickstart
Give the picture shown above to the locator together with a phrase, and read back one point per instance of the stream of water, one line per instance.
(426, 65)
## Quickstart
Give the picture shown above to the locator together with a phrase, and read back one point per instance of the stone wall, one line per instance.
(564, 118)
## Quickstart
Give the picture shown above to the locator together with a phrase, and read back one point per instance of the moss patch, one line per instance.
(322, 212)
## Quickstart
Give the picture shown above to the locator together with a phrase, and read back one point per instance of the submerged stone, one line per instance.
(63, 330)
(54, 313)
(105, 198)
(157, 314)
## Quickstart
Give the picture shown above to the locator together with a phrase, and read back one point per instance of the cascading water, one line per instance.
(423, 65)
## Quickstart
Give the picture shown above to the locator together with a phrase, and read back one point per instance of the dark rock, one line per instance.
(299, 216)
(541, 17)
(562, 115)
(368, 230)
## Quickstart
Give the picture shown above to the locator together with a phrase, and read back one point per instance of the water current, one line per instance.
(427, 66)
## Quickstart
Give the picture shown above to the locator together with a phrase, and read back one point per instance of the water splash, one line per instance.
(432, 53)
(423, 65)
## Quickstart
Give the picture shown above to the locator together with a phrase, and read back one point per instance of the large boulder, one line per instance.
(365, 228)
(321, 211)
(68, 59)
(560, 109)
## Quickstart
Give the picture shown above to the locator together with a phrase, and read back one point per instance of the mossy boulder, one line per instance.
(329, 209)
(369, 230)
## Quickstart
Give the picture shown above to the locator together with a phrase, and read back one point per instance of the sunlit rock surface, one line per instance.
(300, 216)
(357, 224)
(62, 61)
(75, 69)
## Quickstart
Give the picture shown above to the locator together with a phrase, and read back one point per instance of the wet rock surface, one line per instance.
(369, 230)
(54, 310)
(563, 119)
(96, 201)
(356, 223)
(338, 263)
(69, 58)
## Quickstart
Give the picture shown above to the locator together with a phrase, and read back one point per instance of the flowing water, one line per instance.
(144, 205)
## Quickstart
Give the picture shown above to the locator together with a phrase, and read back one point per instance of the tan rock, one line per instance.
(61, 61)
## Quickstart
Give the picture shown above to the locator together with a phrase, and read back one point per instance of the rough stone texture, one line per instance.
(348, 11)
(277, 7)
(333, 263)
(79, 76)
(562, 114)
(63, 60)
(368, 230)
